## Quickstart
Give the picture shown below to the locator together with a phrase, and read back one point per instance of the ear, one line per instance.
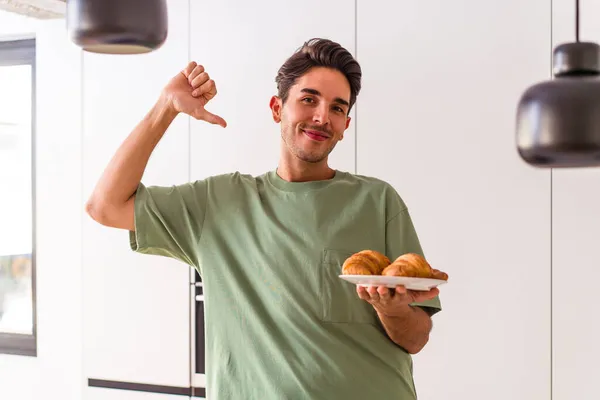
(275, 105)
(347, 125)
(348, 119)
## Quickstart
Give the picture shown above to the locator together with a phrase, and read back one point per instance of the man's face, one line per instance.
(315, 114)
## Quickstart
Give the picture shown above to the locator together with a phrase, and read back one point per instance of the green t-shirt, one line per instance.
(279, 322)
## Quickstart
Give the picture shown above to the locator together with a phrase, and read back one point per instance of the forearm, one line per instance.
(409, 329)
(124, 172)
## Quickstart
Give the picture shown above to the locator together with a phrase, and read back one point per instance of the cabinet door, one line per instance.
(436, 120)
(136, 307)
(117, 394)
(575, 250)
(242, 45)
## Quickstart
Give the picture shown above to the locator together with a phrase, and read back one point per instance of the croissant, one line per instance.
(401, 268)
(413, 265)
(366, 262)
(437, 274)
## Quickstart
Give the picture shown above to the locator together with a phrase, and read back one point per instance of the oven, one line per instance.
(197, 335)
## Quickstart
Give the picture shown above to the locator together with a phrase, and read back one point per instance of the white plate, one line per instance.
(421, 284)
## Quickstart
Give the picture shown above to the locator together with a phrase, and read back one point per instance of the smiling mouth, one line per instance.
(316, 135)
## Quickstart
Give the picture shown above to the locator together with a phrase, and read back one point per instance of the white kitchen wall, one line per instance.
(57, 370)
(435, 118)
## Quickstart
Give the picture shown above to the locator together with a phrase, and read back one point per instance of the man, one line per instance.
(280, 323)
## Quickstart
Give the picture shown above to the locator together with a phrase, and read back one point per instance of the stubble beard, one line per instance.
(288, 136)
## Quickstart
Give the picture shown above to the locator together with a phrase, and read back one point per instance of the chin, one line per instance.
(313, 160)
(310, 157)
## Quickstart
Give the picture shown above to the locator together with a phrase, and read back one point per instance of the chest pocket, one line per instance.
(341, 303)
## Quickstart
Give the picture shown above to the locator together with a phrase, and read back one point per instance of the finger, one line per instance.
(195, 72)
(384, 294)
(362, 292)
(208, 90)
(422, 296)
(199, 79)
(373, 293)
(189, 68)
(213, 119)
(400, 289)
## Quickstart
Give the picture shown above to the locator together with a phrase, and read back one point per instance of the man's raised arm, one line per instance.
(112, 201)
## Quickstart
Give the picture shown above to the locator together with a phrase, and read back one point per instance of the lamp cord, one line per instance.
(577, 20)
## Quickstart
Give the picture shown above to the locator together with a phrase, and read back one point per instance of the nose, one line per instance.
(321, 115)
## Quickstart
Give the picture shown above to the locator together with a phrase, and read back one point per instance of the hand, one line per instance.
(392, 302)
(189, 92)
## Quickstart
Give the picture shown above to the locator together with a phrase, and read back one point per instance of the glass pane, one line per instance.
(16, 229)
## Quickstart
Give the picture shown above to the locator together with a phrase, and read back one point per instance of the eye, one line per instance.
(339, 109)
(307, 100)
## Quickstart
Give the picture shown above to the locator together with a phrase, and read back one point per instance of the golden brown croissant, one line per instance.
(437, 274)
(401, 268)
(413, 265)
(366, 262)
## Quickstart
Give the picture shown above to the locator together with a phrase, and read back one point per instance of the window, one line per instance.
(17, 198)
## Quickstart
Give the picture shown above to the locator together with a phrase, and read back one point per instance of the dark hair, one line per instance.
(319, 53)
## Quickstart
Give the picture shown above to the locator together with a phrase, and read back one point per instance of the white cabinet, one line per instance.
(136, 307)
(242, 45)
(56, 372)
(436, 120)
(115, 394)
(575, 251)
(575, 248)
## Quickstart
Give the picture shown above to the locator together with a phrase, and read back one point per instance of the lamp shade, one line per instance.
(117, 26)
(558, 121)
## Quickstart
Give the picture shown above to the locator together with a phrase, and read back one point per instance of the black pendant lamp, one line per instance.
(558, 121)
(117, 26)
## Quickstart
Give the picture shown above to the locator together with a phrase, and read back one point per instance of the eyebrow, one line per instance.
(317, 93)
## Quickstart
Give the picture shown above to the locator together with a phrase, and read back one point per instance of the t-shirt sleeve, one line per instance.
(402, 238)
(169, 220)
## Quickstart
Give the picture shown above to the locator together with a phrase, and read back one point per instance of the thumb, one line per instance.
(213, 119)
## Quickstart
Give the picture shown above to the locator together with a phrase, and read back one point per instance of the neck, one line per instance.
(293, 169)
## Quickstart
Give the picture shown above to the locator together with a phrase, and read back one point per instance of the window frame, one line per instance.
(23, 52)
